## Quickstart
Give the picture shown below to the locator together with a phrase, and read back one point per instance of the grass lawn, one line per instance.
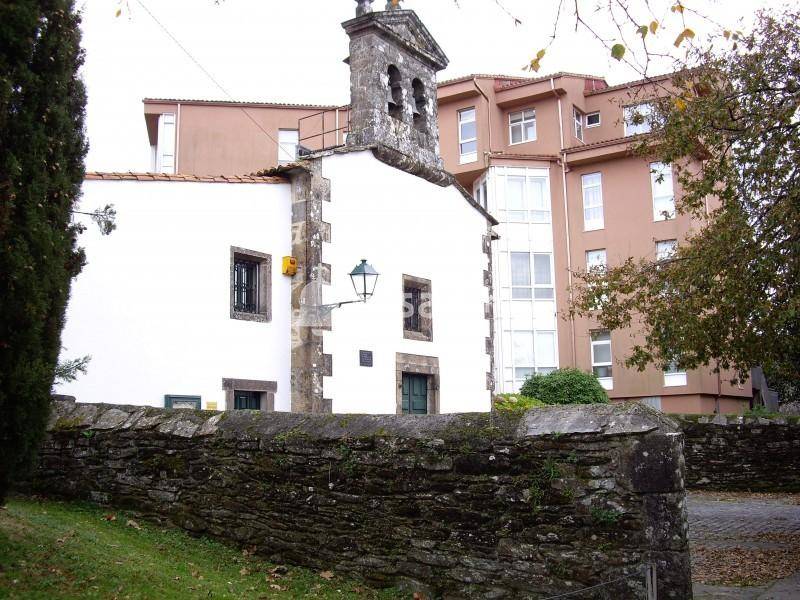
(52, 550)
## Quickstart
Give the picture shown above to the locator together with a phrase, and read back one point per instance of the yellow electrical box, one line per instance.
(289, 265)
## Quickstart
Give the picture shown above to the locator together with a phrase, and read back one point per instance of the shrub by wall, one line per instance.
(735, 453)
(565, 386)
(471, 505)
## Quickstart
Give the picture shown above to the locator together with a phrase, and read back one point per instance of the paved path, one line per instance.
(745, 523)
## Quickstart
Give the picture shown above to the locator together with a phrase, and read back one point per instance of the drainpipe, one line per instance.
(488, 118)
(566, 217)
(177, 138)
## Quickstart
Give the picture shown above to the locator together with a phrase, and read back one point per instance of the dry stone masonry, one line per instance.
(735, 453)
(460, 506)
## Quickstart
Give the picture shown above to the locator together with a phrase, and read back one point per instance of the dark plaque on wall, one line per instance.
(365, 358)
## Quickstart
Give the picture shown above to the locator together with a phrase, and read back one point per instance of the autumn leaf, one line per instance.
(685, 34)
(244, 571)
(118, 13)
(677, 7)
(326, 575)
(653, 26)
(134, 524)
(617, 51)
(680, 104)
(110, 517)
(540, 54)
(643, 30)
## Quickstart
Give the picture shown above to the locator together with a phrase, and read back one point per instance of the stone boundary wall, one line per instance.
(460, 506)
(735, 453)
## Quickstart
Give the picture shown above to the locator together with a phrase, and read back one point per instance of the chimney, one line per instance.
(393, 64)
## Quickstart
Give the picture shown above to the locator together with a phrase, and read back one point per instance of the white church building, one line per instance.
(356, 279)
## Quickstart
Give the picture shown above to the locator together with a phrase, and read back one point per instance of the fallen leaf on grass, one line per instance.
(326, 575)
(134, 524)
(109, 517)
(275, 586)
(244, 571)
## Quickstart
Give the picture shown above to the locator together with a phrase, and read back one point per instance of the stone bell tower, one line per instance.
(393, 64)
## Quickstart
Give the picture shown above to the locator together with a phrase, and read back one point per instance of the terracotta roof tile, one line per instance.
(181, 177)
(254, 104)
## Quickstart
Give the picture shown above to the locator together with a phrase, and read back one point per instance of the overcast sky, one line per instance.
(292, 51)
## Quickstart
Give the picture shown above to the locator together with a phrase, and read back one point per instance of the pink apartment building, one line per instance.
(549, 158)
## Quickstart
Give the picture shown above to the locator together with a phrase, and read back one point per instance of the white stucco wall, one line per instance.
(152, 306)
(403, 224)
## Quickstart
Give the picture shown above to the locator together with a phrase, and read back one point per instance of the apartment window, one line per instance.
(251, 285)
(481, 193)
(652, 402)
(592, 202)
(637, 118)
(165, 150)
(665, 249)
(246, 400)
(522, 126)
(596, 260)
(467, 136)
(417, 309)
(527, 284)
(287, 145)
(663, 194)
(577, 118)
(601, 358)
(544, 352)
(674, 375)
(532, 352)
(527, 200)
(592, 120)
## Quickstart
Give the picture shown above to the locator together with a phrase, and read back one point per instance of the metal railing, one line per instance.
(324, 129)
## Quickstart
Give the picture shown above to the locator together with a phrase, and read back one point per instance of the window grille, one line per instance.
(245, 286)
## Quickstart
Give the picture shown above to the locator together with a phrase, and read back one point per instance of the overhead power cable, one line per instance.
(288, 149)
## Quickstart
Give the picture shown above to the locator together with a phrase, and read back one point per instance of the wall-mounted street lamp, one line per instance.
(364, 278)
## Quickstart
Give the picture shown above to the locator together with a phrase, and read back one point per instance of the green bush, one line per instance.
(565, 386)
(515, 403)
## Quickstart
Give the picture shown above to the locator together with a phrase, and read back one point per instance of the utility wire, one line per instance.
(284, 147)
(593, 587)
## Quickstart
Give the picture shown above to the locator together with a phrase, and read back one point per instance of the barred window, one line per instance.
(251, 285)
(245, 286)
(417, 310)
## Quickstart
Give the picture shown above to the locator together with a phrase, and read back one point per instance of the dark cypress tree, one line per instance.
(42, 147)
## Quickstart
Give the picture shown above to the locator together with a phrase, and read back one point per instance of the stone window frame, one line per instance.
(426, 321)
(416, 364)
(264, 261)
(267, 389)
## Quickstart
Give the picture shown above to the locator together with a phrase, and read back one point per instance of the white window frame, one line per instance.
(673, 376)
(284, 156)
(657, 170)
(577, 123)
(665, 249)
(532, 214)
(595, 224)
(480, 191)
(596, 265)
(533, 286)
(165, 149)
(467, 157)
(586, 118)
(606, 382)
(643, 108)
(652, 402)
(524, 121)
